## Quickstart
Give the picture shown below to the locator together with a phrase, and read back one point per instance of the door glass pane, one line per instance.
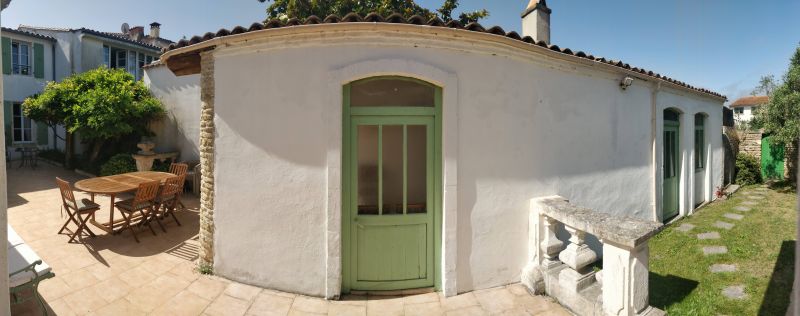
(391, 92)
(417, 169)
(367, 169)
(668, 154)
(392, 169)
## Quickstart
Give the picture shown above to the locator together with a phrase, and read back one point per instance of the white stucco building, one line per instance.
(744, 108)
(384, 153)
(27, 66)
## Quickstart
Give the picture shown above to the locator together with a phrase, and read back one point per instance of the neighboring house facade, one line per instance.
(40, 54)
(27, 67)
(744, 108)
(339, 155)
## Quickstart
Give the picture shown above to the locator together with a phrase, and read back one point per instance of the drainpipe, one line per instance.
(654, 150)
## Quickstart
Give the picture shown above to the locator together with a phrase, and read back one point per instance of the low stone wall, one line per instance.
(750, 143)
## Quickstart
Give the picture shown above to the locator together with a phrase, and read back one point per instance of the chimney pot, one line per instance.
(536, 21)
(155, 29)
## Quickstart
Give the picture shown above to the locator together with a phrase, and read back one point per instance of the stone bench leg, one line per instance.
(625, 280)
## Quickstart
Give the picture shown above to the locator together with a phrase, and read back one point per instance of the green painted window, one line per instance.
(21, 58)
(22, 131)
(391, 91)
(699, 142)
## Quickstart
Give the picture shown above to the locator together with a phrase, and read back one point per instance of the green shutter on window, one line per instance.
(7, 121)
(41, 134)
(38, 60)
(6, 56)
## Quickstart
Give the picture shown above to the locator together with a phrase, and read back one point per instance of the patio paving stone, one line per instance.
(267, 303)
(723, 225)
(715, 250)
(227, 306)
(735, 292)
(114, 275)
(495, 300)
(737, 217)
(185, 303)
(708, 235)
(389, 306)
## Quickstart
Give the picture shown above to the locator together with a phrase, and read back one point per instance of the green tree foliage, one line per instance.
(766, 86)
(286, 9)
(103, 105)
(781, 117)
(748, 170)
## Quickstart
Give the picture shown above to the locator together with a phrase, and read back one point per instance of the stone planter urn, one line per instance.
(146, 156)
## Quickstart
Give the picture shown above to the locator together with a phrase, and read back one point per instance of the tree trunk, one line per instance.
(96, 146)
(69, 150)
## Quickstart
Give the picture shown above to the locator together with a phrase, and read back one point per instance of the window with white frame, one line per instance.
(21, 58)
(132, 63)
(139, 70)
(107, 56)
(21, 125)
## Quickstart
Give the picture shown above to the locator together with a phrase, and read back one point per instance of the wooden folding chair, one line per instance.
(179, 169)
(76, 210)
(168, 199)
(142, 203)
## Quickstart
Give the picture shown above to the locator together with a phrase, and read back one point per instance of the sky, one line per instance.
(722, 45)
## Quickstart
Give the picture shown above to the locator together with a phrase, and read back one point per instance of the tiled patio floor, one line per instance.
(113, 275)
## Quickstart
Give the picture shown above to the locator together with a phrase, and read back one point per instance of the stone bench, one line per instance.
(26, 269)
(567, 273)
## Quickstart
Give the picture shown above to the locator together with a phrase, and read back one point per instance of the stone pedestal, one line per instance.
(578, 256)
(145, 162)
(625, 279)
(550, 245)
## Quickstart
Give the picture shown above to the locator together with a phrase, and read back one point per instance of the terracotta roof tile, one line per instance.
(26, 33)
(435, 22)
(750, 101)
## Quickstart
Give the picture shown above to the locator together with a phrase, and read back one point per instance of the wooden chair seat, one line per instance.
(127, 205)
(86, 205)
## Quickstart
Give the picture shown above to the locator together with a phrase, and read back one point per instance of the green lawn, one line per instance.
(761, 246)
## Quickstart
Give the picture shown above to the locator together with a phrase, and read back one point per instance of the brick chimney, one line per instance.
(155, 29)
(136, 33)
(536, 21)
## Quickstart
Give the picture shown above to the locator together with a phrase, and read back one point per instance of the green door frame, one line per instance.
(385, 115)
(670, 191)
(772, 159)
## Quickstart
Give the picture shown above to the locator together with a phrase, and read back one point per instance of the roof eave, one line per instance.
(182, 62)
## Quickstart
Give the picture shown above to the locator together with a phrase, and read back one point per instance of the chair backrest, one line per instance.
(146, 193)
(67, 196)
(178, 169)
(172, 186)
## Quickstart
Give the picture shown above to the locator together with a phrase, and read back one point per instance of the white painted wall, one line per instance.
(180, 130)
(517, 125)
(5, 308)
(19, 87)
(748, 112)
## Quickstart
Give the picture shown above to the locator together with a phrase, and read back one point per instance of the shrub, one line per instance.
(748, 170)
(120, 163)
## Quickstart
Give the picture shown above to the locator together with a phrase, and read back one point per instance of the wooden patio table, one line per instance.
(114, 185)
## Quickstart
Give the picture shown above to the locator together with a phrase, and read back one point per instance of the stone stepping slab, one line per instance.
(722, 268)
(751, 203)
(685, 227)
(737, 217)
(709, 235)
(735, 292)
(723, 225)
(714, 250)
(742, 208)
(756, 197)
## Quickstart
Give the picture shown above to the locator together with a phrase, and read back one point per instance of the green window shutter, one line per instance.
(38, 60)
(7, 121)
(41, 134)
(6, 56)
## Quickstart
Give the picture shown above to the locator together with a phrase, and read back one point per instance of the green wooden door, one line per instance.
(391, 182)
(671, 170)
(391, 191)
(772, 156)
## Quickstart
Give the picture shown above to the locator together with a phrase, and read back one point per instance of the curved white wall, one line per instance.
(526, 125)
(180, 130)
